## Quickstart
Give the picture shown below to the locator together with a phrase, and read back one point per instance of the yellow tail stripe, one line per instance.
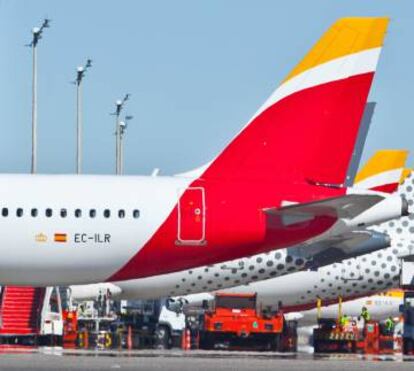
(384, 160)
(345, 36)
(405, 174)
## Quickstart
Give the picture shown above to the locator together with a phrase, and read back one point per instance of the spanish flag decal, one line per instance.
(61, 237)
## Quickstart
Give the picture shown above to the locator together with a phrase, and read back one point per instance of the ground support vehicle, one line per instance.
(408, 315)
(30, 316)
(95, 332)
(407, 309)
(289, 337)
(370, 338)
(138, 324)
(234, 322)
(150, 324)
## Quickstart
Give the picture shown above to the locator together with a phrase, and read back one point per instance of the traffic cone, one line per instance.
(185, 339)
(129, 338)
(188, 339)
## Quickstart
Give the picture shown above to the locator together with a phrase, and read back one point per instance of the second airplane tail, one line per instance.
(383, 172)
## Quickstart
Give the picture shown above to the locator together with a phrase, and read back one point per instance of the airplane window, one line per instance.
(19, 212)
(135, 214)
(33, 212)
(5, 211)
(48, 213)
(121, 213)
(92, 213)
(107, 213)
(63, 213)
(78, 213)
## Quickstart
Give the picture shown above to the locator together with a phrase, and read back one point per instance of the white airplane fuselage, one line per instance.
(66, 229)
(95, 246)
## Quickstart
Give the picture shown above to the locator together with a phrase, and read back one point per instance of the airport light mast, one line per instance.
(119, 105)
(37, 33)
(80, 73)
(122, 130)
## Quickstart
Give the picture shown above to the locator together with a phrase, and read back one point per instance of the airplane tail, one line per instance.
(383, 172)
(306, 130)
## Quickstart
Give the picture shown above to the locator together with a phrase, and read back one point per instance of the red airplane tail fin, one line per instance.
(306, 130)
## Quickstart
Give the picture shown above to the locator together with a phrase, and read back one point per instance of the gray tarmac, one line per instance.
(57, 359)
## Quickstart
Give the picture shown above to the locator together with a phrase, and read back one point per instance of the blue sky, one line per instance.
(196, 71)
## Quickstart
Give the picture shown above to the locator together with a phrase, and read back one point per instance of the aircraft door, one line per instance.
(191, 217)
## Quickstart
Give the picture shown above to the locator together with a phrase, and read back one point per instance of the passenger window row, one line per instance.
(92, 213)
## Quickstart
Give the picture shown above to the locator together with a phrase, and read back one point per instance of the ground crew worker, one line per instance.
(389, 325)
(365, 314)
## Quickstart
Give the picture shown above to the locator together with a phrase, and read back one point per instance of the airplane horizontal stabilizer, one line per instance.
(347, 206)
(355, 210)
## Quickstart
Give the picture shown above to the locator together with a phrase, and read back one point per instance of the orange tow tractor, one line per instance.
(235, 322)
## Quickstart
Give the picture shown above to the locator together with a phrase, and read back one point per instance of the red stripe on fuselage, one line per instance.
(235, 222)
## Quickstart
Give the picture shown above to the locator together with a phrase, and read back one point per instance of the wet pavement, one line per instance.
(58, 359)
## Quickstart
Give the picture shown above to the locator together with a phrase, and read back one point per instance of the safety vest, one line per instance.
(344, 320)
(389, 324)
(365, 315)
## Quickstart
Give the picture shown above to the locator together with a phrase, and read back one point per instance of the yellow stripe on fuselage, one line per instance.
(344, 37)
(397, 293)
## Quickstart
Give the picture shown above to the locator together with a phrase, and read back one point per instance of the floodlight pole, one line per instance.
(121, 149)
(119, 105)
(34, 105)
(37, 35)
(117, 136)
(80, 74)
(122, 131)
(78, 128)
